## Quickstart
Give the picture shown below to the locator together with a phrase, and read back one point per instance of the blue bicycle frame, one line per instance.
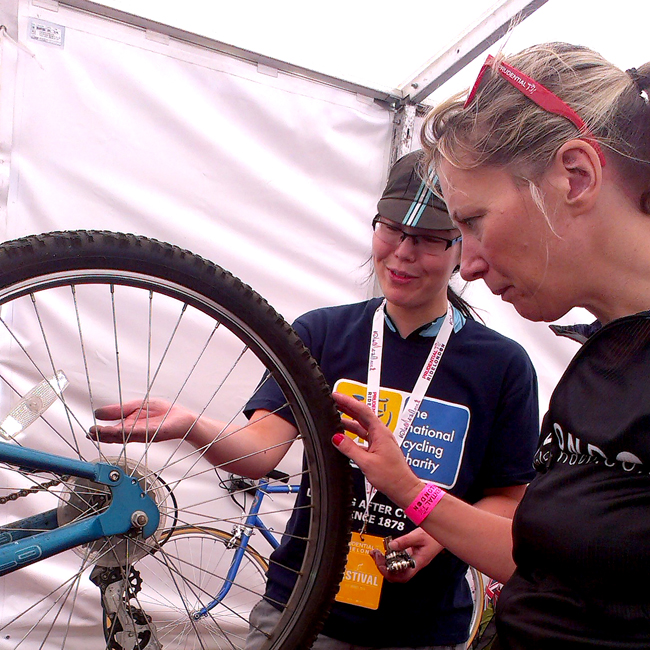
(35, 538)
(251, 523)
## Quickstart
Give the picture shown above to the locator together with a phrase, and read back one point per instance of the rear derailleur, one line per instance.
(125, 627)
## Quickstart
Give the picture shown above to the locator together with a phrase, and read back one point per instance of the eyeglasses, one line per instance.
(542, 96)
(390, 233)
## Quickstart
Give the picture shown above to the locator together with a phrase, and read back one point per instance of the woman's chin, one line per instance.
(537, 311)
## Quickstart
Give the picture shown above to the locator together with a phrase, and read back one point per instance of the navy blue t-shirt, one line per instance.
(476, 429)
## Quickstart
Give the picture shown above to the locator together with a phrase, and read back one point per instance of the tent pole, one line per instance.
(472, 43)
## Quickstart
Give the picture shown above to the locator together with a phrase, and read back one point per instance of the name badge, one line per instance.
(361, 584)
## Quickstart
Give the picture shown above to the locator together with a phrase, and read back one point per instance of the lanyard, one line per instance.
(412, 406)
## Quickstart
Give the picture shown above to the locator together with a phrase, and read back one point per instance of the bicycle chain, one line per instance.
(33, 490)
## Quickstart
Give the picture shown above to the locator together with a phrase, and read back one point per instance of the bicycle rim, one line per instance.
(127, 317)
(477, 588)
(203, 556)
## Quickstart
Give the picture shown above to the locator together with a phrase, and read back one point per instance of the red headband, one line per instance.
(542, 96)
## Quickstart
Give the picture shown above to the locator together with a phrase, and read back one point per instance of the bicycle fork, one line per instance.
(240, 539)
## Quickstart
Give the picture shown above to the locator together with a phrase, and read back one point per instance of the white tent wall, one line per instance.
(126, 130)
(273, 176)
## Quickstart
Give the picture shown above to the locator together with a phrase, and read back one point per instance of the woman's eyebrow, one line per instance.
(466, 212)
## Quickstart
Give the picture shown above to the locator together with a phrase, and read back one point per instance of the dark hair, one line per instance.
(462, 305)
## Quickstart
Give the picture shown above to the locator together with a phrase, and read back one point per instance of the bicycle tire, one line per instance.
(210, 552)
(68, 301)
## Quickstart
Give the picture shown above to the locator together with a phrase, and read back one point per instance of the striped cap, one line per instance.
(409, 201)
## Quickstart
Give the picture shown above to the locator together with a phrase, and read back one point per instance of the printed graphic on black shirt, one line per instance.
(564, 447)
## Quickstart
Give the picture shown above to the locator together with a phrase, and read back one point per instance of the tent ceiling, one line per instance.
(386, 51)
(379, 45)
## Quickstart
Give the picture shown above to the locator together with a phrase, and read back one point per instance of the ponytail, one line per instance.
(462, 305)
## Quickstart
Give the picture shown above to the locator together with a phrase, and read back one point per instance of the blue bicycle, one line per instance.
(225, 563)
(106, 546)
(239, 539)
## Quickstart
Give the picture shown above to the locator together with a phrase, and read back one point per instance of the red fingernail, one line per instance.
(337, 438)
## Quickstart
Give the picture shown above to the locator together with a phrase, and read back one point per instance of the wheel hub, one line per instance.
(83, 498)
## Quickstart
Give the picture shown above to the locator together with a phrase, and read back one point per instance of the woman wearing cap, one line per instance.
(461, 398)
(545, 169)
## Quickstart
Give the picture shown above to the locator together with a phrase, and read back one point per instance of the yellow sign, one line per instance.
(390, 402)
(361, 584)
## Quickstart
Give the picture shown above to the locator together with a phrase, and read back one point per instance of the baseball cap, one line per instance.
(408, 200)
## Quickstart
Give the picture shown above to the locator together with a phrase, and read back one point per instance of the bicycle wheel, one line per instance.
(129, 317)
(477, 587)
(203, 556)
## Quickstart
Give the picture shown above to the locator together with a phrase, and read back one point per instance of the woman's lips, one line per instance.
(503, 292)
(400, 276)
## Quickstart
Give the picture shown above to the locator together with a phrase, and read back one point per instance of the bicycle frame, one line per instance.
(251, 523)
(35, 538)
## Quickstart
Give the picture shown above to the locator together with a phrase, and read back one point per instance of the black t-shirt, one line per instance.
(477, 429)
(582, 531)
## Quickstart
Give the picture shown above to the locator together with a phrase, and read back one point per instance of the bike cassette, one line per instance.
(397, 560)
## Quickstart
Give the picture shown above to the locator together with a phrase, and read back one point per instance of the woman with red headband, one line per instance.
(545, 169)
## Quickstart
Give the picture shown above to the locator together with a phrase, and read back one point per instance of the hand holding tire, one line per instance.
(382, 461)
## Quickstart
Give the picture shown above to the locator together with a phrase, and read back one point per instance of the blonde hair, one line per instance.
(502, 127)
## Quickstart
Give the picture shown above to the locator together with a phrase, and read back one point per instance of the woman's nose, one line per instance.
(472, 265)
(407, 247)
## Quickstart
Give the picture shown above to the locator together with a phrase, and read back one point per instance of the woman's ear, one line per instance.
(577, 173)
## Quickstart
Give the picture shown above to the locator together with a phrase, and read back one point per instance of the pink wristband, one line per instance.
(424, 503)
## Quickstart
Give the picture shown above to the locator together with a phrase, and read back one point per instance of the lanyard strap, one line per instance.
(412, 405)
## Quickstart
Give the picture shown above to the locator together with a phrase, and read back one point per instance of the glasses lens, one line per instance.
(433, 245)
(387, 233)
(394, 235)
